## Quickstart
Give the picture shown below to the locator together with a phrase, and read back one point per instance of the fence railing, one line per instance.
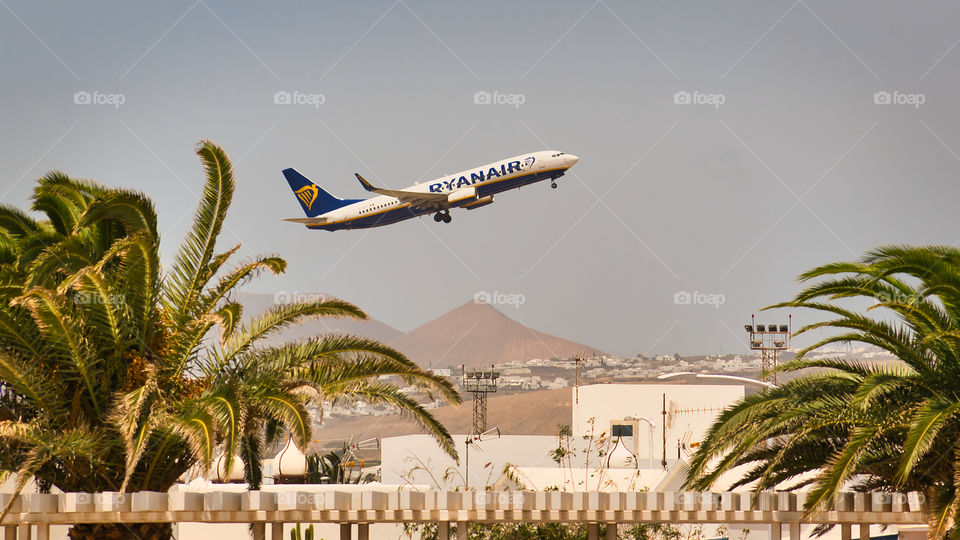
(445, 507)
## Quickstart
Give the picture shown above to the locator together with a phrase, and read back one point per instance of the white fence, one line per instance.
(39, 511)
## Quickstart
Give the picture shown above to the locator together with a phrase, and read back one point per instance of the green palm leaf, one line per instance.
(189, 274)
(109, 379)
(856, 424)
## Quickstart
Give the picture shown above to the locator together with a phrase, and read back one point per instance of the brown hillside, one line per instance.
(477, 334)
(529, 413)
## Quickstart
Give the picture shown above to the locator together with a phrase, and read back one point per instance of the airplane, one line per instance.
(470, 189)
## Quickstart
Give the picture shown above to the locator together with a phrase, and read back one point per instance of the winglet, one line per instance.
(366, 185)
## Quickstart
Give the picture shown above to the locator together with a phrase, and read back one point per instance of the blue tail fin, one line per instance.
(313, 198)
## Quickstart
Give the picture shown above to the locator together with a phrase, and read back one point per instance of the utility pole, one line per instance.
(466, 475)
(577, 378)
(663, 460)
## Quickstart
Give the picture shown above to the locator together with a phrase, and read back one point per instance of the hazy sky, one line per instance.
(783, 160)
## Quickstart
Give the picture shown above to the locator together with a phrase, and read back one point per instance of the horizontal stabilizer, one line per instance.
(308, 221)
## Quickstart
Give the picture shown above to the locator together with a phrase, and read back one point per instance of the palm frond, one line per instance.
(190, 271)
(278, 318)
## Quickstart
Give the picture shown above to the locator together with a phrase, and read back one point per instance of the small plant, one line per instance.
(297, 534)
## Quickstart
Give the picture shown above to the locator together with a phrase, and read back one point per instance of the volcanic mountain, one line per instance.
(477, 334)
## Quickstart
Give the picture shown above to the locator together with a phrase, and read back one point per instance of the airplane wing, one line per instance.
(413, 198)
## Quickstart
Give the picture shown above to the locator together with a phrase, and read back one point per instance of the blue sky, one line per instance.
(788, 161)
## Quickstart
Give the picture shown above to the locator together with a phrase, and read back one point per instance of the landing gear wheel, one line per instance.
(447, 218)
(553, 185)
(437, 217)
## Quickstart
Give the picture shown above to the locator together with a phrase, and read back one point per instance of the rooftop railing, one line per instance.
(400, 505)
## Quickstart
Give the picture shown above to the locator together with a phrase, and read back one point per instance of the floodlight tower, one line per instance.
(480, 382)
(770, 339)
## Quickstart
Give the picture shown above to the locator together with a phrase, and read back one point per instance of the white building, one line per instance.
(690, 409)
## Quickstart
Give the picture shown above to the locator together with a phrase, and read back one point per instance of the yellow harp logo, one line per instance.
(307, 194)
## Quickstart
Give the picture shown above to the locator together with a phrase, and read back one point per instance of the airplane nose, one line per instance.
(572, 160)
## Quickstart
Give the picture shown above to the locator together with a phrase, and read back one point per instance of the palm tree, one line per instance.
(111, 377)
(855, 424)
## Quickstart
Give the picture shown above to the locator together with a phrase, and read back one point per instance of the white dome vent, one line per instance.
(290, 461)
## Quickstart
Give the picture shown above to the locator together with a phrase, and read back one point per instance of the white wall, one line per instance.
(691, 410)
(402, 455)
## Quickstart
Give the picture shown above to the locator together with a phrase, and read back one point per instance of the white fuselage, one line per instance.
(470, 188)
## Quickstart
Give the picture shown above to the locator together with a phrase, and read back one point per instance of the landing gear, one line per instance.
(553, 180)
(443, 216)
